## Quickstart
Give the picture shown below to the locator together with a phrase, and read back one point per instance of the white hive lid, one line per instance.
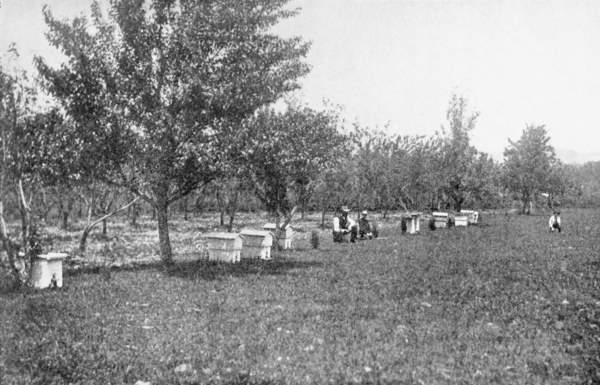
(52, 256)
(255, 233)
(217, 235)
(439, 214)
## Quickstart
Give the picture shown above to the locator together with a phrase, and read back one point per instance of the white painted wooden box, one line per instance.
(256, 244)
(285, 237)
(473, 216)
(47, 271)
(413, 225)
(224, 247)
(461, 220)
(440, 219)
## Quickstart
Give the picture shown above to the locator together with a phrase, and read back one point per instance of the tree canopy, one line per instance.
(152, 86)
(529, 164)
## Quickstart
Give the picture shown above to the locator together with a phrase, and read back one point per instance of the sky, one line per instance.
(396, 63)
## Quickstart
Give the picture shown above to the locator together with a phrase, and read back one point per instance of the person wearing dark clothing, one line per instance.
(345, 225)
(364, 226)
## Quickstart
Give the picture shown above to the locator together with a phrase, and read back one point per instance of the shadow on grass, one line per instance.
(249, 381)
(208, 270)
(203, 269)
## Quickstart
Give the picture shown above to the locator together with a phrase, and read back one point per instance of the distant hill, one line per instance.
(574, 157)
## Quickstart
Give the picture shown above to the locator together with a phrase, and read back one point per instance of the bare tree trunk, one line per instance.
(161, 207)
(323, 211)
(185, 208)
(198, 204)
(166, 253)
(20, 264)
(88, 228)
(525, 208)
(134, 215)
(231, 219)
(47, 206)
(64, 220)
(222, 208)
(233, 206)
(9, 248)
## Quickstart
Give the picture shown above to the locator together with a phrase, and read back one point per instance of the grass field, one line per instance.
(505, 302)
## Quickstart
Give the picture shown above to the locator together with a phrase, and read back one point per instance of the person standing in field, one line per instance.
(554, 222)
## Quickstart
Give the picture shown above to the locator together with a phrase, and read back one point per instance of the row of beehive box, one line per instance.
(463, 219)
(228, 247)
(231, 247)
(466, 217)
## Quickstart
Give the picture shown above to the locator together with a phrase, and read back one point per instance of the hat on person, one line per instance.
(364, 212)
(345, 209)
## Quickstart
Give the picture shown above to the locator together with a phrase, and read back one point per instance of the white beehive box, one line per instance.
(413, 222)
(223, 247)
(46, 270)
(256, 244)
(285, 237)
(414, 226)
(473, 216)
(461, 220)
(440, 219)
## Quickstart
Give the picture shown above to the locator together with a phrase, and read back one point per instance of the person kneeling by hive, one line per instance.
(554, 221)
(343, 225)
(365, 228)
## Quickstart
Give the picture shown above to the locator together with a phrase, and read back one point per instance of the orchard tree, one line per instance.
(333, 187)
(457, 153)
(21, 159)
(563, 186)
(586, 183)
(529, 165)
(287, 149)
(484, 182)
(424, 174)
(152, 86)
(373, 185)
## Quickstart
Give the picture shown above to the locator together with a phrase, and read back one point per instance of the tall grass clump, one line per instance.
(432, 224)
(314, 239)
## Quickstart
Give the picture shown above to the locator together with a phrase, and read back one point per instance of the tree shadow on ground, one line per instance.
(203, 269)
(243, 380)
(209, 270)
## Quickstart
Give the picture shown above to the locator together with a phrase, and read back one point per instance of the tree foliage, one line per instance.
(286, 151)
(153, 86)
(529, 165)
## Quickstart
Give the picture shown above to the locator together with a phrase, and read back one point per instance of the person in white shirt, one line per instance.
(554, 221)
